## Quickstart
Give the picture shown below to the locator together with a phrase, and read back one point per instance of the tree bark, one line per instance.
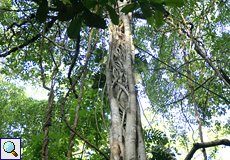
(197, 146)
(126, 130)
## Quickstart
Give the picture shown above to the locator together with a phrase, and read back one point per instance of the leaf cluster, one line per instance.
(154, 140)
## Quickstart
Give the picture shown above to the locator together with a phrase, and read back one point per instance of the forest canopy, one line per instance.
(159, 66)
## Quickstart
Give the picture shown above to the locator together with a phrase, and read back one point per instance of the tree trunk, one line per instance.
(126, 131)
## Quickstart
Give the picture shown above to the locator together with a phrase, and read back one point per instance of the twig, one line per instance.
(201, 22)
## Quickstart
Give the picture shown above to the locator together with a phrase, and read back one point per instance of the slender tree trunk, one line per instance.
(126, 131)
(45, 148)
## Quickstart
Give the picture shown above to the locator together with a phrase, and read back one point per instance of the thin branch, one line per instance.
(192, 92)
(63, 111)
(49, 25)
(187, 122)
(74, 62)
(200, 52)
(201, 22)
(102, 114)
(200, 85)
(61, 47)
(81, 137)
(40, 62)
(190, 62)
(79, 98)
(103, 91)
(95, 113)
(21, 24)
(14, 10)
(45, 150)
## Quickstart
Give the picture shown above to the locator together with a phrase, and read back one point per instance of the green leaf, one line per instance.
(129, 8)
(99, 11)
(74, 28)
(90, 3)
(150, 20)
(159, 18)
(93, 20)
(174, 3)
(145, 7)
(76, 4)
(141, 64)
(102, 2)
(98, 55)
(99, 80)
(112, 1)
(60, 5)
(113, 15)
(66, 15)
(42, 11)
(67, 2)
(159, 7)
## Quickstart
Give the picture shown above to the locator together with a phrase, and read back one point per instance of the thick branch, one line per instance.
(197, 146)
(201, 53)
(29, 41)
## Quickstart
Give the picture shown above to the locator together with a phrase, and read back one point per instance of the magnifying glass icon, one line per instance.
(9, 147)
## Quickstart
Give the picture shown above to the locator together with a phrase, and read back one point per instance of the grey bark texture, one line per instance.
(126, 131)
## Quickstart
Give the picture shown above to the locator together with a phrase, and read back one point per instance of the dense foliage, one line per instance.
(182, 60)
(179, 71)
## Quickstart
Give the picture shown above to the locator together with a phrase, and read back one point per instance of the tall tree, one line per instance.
(126, 132)
(62, 45)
